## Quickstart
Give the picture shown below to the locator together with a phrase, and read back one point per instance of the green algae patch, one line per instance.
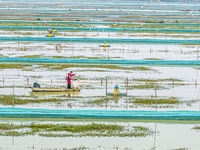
(63, 66)
(70, 130)
(55, 67)
(146, 86)
(171, 100)
(197, 128)
(8, 100)
(157, 80)
(13, 66)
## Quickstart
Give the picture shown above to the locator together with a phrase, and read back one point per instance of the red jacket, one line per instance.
(69, 78)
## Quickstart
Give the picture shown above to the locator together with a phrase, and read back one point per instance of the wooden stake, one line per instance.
(127, 87)
(106, 86)
(27, 81)
(13, 97)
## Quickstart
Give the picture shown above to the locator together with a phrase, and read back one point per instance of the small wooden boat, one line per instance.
(36, 89)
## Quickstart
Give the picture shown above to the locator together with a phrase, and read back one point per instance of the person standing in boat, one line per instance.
(69, 79)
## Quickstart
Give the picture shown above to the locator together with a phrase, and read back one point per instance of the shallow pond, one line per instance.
(168, 136)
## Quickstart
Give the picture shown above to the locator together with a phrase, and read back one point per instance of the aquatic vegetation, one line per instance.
(8, 100)
(189, 44)
(162, 102)
(24, 33)
(170, 100)
(13, 66)
(36, 77)
(149, 26)
(152, 59)
(63, 66)
(31, 56)
(171, 79)
(39, 24)
(87, 86)
(181, 148)
(99, 101)
(61, 57)
(157, 80)
(76, 148)
(147, 86)
(68, 130)
(197, 127)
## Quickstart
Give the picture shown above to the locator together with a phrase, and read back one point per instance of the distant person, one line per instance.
(69, 79)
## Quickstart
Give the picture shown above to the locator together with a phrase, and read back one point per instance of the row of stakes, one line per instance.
(51, 81)
(134, 50)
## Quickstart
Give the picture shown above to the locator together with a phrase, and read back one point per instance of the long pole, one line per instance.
(127, 87)
(108, 52)
(156, 98)
(106, 92)
(126, 94)
(155, 136)
(197, 77)
(197, 52)
(185, 4)
(126, 103)
(13, 97)
(106, 85)
(13, 138)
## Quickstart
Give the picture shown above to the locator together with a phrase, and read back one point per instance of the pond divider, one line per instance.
(100, 40)
(97, 29)
(185, 63)
(9, 112)
(101, 23)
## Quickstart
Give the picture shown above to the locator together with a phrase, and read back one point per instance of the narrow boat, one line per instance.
(37, 88)
(45, 89)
